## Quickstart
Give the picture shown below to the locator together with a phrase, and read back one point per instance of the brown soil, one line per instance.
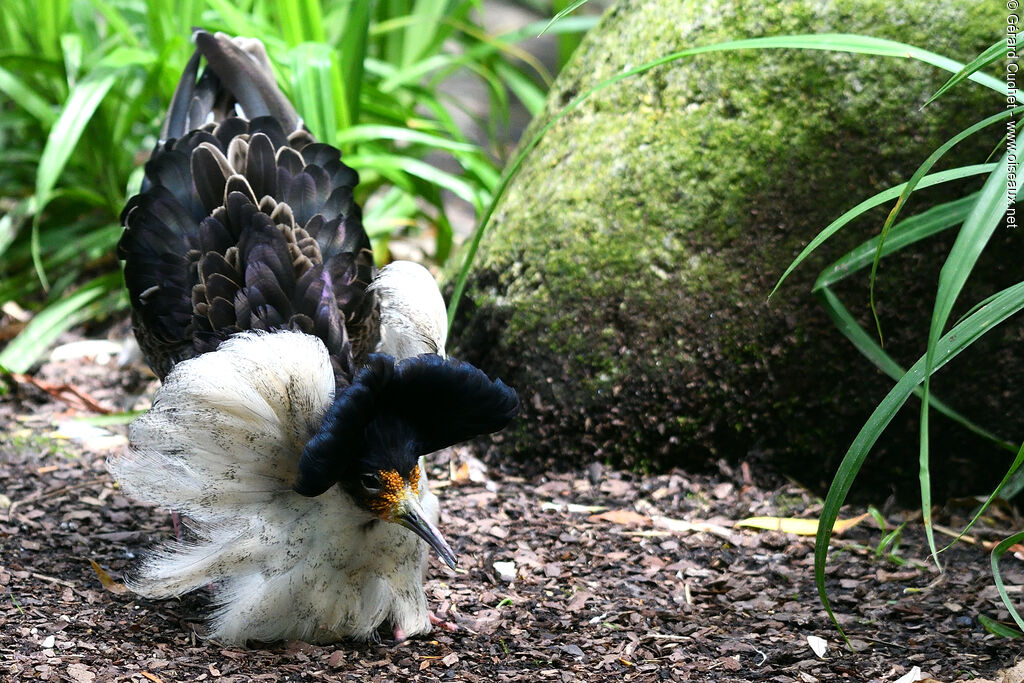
(617, 576)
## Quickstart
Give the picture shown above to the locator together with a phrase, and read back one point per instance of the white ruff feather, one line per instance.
(221, 445)
(413, 319)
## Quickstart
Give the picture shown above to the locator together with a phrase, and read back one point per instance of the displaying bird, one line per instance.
(300, 385)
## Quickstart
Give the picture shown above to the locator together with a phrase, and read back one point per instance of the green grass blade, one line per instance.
(522, 87)
(426, 29)
(918, 174)
(370, 132)
(118, 22)
(904, 233)
(1001, 488)
(301, 22)
(25, 96)
(565, 11)
(389, 163)
(974, 235)
(389, 212)
(350, 62)
(989, 56)
(111, 420)
(48, 324)
(85, 97)
(997, 554)
(871, 350)
(997, 629)
(870, 203)
(11, 222)
(315, 75)
(417, 71)
(1000, 307)
(978, 227)
(240, 23)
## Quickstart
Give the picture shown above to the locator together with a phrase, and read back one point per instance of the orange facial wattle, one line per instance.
(414, 480)
(393, 489)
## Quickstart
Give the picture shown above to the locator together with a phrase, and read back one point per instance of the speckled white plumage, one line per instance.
(221, 445)
(412, 313)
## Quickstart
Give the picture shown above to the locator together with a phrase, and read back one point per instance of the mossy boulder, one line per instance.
(623, 285)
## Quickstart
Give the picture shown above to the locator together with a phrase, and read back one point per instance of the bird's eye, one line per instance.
(370, 482)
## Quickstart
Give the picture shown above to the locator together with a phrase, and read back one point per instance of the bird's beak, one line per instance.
(410, 515)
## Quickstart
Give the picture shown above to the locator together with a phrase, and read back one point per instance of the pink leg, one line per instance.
(435, 621)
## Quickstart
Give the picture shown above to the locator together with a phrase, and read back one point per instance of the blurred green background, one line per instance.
(84, 85)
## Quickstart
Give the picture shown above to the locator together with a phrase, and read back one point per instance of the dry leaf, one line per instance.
(622, 518)
(80, 673)
(1012, 675)
(471, 470)
(107, 582)
(800, 527)
(680, 525)
(461, 475)
(152, 677)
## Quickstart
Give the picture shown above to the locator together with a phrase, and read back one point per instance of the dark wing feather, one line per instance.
(244, 221)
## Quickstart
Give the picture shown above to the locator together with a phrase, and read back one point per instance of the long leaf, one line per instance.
(301, 21)
(48, 324)
(978, 227)
(315, 76)
(871, 350)
(994, 53)
(66, 132)
(1000, 307)
(877, 200)
(426, 21)
(350, 60)
(367, 131)
(904, 233)
(25, 96)
(918, 174)
(565, 11)
(1008, 478)
(997, 553)
(421, 169)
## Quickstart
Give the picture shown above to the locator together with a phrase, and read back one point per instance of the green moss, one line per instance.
(624, 278)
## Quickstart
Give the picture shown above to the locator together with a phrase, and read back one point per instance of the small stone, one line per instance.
(506, 571)
(964, 621)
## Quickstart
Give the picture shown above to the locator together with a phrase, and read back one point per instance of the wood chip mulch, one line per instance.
(594, 575)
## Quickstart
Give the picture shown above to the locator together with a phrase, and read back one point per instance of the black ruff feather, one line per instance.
(244, 222)
(392, 413)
